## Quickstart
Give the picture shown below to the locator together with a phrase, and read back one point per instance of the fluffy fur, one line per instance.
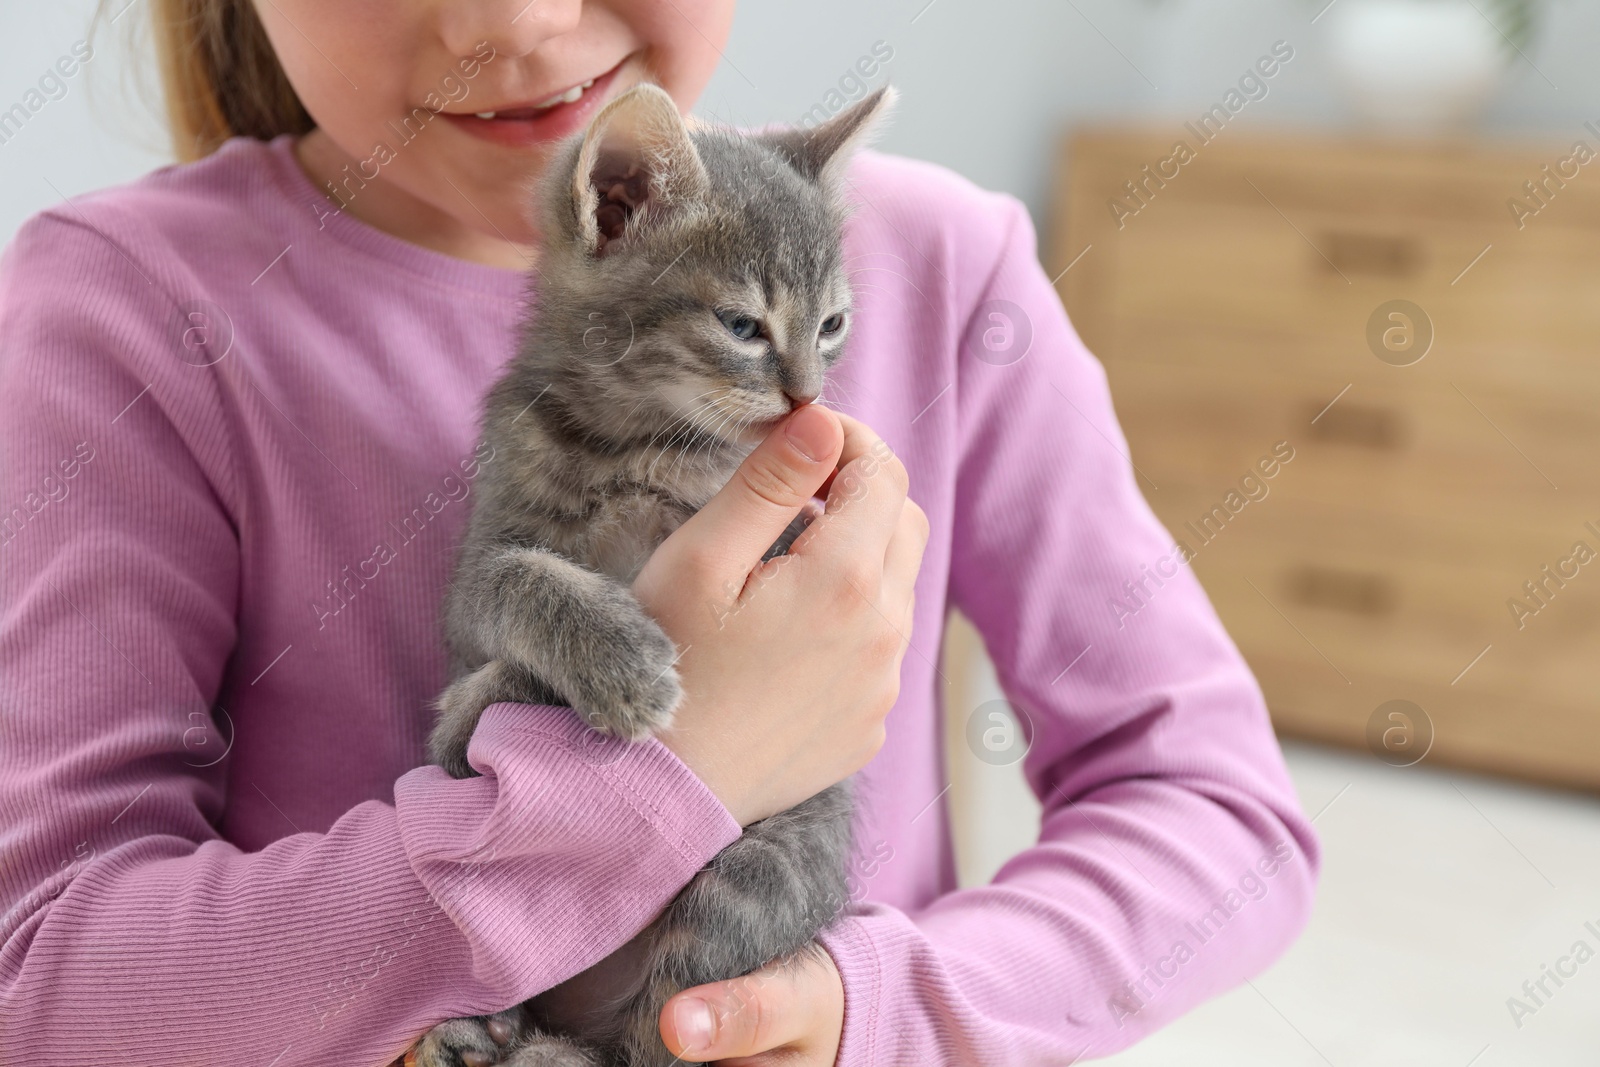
(691, 293)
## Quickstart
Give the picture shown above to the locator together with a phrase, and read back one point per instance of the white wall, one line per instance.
(988, 83)
(94, 135)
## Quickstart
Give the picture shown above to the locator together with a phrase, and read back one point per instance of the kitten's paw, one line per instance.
(630, 688)
(479, 1041)
(546, 1051)
(462, 703)
(459, 709)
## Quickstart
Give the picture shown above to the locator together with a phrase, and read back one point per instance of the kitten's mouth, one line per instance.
(740, 427)
(754, 432)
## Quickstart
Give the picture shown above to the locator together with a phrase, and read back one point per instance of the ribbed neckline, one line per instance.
(316, 215)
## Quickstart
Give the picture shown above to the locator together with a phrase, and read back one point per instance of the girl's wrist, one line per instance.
(705, 766)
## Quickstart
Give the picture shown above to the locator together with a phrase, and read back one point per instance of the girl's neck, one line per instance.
(386, 207)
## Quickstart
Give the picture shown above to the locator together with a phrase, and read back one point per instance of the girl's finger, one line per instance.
(770, 487)
(903, 557)
(743, 1017)
(863, 501)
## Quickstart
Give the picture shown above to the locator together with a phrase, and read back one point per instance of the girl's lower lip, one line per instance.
(551, 124)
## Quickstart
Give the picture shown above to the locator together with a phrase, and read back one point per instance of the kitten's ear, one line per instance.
(822, 151)
(636, 163)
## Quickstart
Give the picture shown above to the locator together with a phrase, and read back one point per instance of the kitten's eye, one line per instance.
(740, 325)
(832, 324)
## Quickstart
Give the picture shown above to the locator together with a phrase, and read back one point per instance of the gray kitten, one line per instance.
(691, 294)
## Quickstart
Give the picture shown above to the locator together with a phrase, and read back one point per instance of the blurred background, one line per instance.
(1364, 228)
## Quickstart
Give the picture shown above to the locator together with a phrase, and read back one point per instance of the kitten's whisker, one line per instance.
(706, 432)
(720, 434)
(862, 270)
(689, 424)
(854, 271)
(840, 400)
(683, 417)
(875, 255)
(713, 436)
(691, 411)
(692, 420)
(635, 409)
(671, 431)
(692, 399)
(744, 425)
(869, 255)
(670, 447)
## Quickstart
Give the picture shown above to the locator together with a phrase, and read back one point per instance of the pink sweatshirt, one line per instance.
(238, 438)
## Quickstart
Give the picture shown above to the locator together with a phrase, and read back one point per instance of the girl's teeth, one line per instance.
(571, 96)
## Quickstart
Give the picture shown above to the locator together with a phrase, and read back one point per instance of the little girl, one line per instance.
(240, 408)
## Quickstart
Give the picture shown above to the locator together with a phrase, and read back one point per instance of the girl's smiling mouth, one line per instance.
(521, 125)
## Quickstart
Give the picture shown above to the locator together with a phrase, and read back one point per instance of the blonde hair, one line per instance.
(220, 76)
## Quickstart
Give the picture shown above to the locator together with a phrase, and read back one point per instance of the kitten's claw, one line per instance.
(478, 1041)
(500, 1031)
(506, 1040)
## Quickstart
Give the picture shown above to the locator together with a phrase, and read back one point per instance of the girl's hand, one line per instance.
(790, 1014)
(789, 668)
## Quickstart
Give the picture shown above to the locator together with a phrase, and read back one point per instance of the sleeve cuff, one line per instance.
(647, 776)
(567, 846)
(856, 956)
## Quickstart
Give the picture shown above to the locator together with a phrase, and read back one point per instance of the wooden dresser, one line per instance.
(1247, 297)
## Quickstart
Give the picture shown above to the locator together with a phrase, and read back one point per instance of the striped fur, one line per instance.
(629, 404)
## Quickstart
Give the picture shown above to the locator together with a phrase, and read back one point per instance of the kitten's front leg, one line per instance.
(462, 703)
(582, 634)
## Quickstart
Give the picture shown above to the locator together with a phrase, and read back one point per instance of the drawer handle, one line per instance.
(1356, 592)
(1374, 254)
(1351, 423)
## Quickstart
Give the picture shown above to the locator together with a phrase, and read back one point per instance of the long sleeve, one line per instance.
(1173, 859)
(131, 930)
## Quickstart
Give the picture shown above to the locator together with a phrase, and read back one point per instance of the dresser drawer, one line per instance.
(1257, 253)
(1339, 611)
(1245, 304)
(1421, 447)
(1480, 723)
(1445, 581)
(1241, 273)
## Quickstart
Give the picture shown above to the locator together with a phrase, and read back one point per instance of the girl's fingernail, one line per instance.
(697, 1025)
(809, 433)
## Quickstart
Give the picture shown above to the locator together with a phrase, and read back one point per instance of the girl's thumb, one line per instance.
(739, 524)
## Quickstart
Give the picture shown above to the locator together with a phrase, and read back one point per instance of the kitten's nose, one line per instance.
(799, 400)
